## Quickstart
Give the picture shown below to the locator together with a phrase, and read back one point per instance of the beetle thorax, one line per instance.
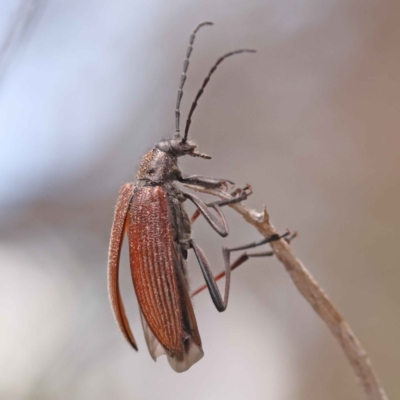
(158, 167)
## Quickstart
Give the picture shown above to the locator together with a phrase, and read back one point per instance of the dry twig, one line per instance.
(314, 294)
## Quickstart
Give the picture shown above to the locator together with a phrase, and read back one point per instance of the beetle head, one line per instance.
(177, 147)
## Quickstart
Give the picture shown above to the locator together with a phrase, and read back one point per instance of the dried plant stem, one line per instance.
(314, 294)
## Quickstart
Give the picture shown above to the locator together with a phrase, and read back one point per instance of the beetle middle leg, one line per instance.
(211, 281)
(218, 223)
(238, 196)
(239, 261)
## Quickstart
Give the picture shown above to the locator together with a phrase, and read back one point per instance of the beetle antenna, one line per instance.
(183, 76)
(200, 92)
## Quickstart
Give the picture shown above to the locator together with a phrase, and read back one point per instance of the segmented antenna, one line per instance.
(200, 92)
(183, 76)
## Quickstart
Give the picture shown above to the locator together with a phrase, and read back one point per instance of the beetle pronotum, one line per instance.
(151, 212)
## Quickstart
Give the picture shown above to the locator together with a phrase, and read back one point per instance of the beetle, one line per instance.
(151, 212)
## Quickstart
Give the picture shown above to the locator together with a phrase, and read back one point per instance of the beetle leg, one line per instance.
(244, 257)
(260, 242)
(238, 196)
(216, 297)
(204, 181)
(217, 223)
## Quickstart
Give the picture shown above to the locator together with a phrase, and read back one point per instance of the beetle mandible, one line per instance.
(151, 212)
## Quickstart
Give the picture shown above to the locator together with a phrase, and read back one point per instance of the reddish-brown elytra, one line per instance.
(151, 212)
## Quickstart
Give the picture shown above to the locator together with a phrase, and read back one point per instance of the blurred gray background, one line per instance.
(311, 121)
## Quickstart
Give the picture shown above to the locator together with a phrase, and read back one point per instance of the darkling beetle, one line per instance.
(152, 214)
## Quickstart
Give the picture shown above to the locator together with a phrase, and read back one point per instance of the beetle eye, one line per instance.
(151, 171)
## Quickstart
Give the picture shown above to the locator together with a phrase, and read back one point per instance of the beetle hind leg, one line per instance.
(230, 267)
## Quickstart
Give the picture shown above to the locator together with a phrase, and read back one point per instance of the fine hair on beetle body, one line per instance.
(151, 212)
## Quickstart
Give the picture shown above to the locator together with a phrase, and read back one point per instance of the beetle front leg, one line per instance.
(204, 181)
